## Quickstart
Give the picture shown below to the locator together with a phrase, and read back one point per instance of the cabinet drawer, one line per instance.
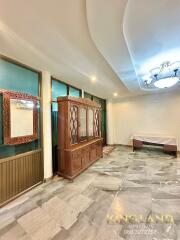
(76, 162)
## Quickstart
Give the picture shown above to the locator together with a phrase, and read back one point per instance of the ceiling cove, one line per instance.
(135, 37)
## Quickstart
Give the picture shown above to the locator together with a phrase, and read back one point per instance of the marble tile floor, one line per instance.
(124, 195)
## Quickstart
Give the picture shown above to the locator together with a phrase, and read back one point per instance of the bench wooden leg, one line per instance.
(171, 148)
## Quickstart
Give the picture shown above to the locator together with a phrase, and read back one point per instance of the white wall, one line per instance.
(157, 113)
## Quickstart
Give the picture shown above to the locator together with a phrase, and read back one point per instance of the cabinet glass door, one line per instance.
(90, 123)
(73, 124)
(82, 123)
(97, 123)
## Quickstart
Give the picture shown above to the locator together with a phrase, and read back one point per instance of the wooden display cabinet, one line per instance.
(79, 135)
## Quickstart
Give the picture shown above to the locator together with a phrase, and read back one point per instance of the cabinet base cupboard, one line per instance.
(79, 135)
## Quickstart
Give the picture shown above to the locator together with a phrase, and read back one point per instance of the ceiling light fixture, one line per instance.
(93, 78)
(115, 94)
(165, 76)
(166, 82)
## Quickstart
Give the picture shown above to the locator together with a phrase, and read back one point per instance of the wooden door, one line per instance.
(85, 157)
(76, 162)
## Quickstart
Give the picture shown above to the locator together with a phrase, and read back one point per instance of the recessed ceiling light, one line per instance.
(93, 78)
(115, 94)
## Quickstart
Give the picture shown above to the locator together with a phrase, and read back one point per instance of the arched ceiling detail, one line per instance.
(152, 35)
(135, 36)
(105, 21)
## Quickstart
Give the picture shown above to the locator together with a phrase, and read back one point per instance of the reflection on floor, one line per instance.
(125, 195)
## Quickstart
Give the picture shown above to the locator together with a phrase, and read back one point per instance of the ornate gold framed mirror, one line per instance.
(20, 117)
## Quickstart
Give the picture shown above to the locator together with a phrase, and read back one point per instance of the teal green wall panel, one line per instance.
(87, 95)
(74, 92)
(7, 151)
(97, 100)
(17, 78)
(54, 128)
(58, 89)
(1, 121)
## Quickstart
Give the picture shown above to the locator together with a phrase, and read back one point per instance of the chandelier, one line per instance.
(164, 76)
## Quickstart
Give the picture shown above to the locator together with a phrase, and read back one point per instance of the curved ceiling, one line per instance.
(73, 40)
(105, 21)
(136, 36)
